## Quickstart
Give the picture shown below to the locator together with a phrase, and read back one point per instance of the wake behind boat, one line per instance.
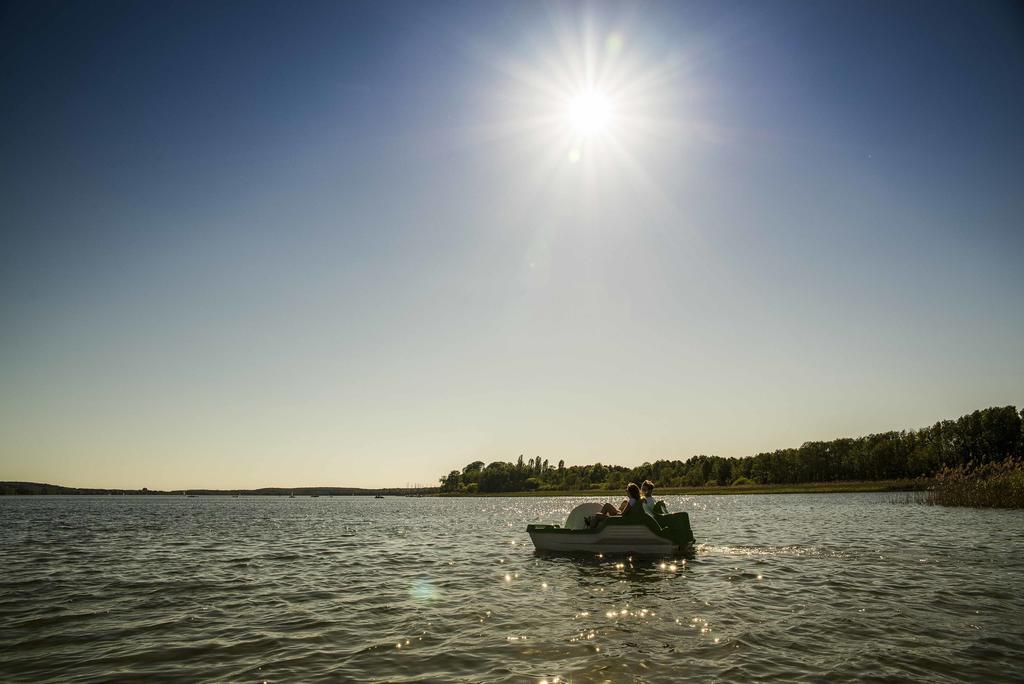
(635, 532)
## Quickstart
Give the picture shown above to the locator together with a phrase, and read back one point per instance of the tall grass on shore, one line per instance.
(993, 485)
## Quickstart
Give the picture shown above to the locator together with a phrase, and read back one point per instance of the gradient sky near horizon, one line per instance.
(252, 244)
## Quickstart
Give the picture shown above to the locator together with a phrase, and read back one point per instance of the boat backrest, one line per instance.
(637, 513)
(577, 517)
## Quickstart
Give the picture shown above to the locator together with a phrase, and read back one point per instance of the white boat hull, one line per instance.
(610, 539)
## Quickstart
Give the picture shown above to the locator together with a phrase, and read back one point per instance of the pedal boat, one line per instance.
(635, 532)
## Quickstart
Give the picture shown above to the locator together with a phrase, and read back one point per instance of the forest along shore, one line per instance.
(974, 460)
(809, 488)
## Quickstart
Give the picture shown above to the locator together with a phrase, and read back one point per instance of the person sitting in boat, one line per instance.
(608, 510)
(647, 496)
(647, 499)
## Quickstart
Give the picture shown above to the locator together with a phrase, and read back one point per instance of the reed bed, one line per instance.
(992, 485)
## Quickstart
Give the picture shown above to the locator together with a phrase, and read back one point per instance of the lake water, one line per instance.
(847, 587)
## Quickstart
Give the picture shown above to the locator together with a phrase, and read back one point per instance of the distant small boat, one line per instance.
(379, 496)
(314, 496)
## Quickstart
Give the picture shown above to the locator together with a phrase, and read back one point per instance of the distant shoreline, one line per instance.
(41, 489)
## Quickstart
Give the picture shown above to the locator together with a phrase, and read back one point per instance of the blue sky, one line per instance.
(251, 244)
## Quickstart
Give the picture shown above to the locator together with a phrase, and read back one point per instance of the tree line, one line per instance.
(984, 436)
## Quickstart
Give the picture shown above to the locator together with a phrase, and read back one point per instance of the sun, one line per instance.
(590, 99)
(590, 113)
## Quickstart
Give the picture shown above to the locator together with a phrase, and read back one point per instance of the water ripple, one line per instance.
(795, 588)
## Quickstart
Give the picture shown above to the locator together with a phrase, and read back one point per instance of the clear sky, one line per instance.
(363, 244)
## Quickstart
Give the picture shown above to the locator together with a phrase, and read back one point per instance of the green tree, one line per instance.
(987, 435)
(451, 482)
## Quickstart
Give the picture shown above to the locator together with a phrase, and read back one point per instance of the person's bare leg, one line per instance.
(608, 509)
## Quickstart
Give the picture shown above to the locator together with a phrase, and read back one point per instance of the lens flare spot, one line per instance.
(613, 44)
(423, 591)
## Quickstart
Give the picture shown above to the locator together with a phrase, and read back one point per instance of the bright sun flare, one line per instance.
(590, 113)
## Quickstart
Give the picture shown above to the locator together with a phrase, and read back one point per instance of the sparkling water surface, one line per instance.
(838, 587)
